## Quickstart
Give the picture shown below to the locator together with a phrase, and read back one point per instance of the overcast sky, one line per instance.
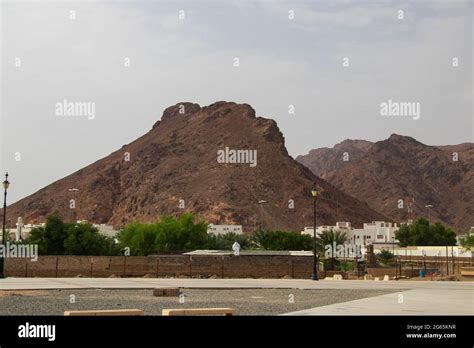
(283, 62)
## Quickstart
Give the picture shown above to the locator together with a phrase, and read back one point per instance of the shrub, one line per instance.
(225, 241)
(168, 234)
(422, 233)
(281, 240)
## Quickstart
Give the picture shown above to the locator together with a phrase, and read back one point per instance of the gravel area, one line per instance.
(245, 301)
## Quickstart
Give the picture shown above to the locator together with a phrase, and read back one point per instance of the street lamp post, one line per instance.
(314, 193)
(429, 206)
(5, 184)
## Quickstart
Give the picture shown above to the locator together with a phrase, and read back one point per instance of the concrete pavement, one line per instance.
(411, 302)
(149, 283)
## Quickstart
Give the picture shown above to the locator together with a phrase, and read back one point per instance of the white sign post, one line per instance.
(236, 248)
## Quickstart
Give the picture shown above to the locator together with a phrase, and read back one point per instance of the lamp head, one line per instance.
(6, 183)
(315, 191)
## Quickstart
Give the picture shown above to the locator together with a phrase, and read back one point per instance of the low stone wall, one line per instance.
(381, 272)
(228, 266)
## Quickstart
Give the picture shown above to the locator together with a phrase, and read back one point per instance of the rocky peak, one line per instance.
(179, 109)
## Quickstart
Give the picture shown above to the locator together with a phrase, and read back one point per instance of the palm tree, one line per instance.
(331, 238)
(261, 239)
(385, 256)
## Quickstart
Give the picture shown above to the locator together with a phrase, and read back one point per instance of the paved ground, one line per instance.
(411, 302)
(419, 297)
(150, 283)
(244, 301)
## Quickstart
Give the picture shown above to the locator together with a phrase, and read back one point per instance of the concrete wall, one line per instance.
(248, 266)
(431, 251)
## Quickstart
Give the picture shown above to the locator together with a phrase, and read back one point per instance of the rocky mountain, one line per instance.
(187, 162)
(326, 160)
(401, 168)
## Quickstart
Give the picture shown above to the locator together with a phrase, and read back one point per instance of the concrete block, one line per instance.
(105, 313)
(198, 311)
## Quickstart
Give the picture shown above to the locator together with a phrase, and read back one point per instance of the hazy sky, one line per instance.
(47, 57)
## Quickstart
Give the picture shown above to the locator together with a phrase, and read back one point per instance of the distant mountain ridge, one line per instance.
(325, 160)
(402, 168)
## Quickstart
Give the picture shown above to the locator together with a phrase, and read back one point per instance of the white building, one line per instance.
(223, 229)
(106, 230)
(23, 231)
(375, 232)
(340, 226)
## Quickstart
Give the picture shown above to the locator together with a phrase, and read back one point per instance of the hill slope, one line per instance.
(177, 160)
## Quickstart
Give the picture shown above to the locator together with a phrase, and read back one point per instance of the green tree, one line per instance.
(281, 240)
(468, 242)
(328, 238)
(59, 238)
(181, 234)
(140, 238)
(85, 239)
(385, 256)
(422, 233)
(169, 234)
(50, 237)
(326, 241)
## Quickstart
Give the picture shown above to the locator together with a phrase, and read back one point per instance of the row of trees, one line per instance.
(188, 233)
(185, 233)
(421, 232)
(169, 234)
